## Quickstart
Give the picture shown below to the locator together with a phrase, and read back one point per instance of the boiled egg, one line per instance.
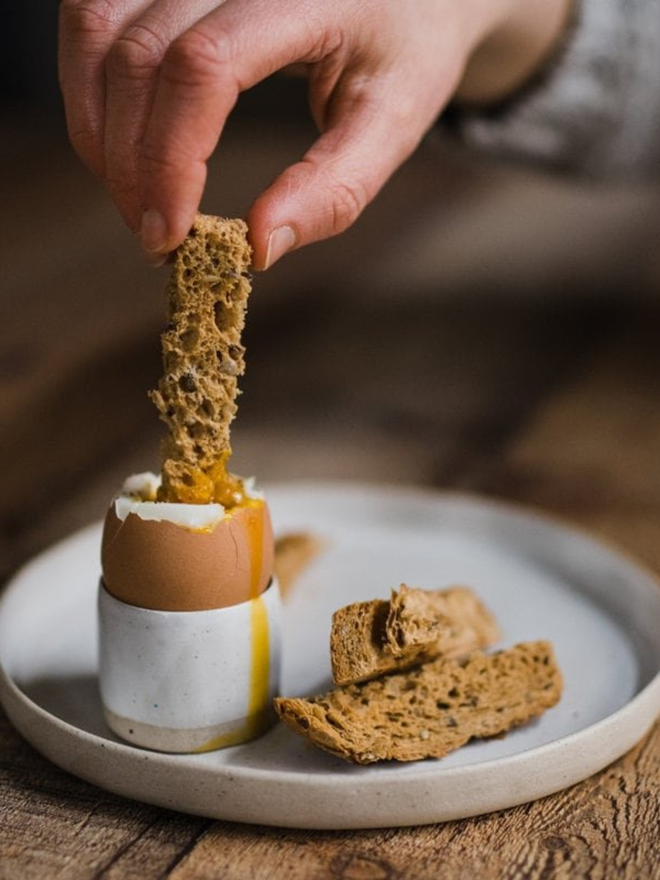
(173, 556)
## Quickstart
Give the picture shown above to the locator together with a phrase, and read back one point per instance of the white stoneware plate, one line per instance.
(542, 580)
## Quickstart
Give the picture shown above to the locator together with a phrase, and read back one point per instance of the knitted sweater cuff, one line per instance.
(596, 108)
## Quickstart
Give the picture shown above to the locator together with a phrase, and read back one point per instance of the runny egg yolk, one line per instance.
(213, 486)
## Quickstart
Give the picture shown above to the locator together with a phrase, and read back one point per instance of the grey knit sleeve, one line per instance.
(597, 108)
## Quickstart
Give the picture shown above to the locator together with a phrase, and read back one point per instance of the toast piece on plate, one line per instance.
(294, 552)
(369, 639)
(432, 709)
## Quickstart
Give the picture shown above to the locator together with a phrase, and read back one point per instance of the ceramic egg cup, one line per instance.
(189, 681)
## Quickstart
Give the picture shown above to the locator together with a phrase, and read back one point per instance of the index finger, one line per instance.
(87, 29)
(204, 70)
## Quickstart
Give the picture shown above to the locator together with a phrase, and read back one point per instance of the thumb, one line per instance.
(368, 137)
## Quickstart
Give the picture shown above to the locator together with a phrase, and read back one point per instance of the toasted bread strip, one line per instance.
(431, 710)
(368, 639)
(202, 350)
(294, 551)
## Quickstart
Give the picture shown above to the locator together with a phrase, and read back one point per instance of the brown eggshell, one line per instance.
(167, 567)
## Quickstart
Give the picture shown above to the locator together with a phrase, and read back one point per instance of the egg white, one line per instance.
(139, 493)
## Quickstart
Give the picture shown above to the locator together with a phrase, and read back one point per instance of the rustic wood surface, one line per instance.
(376, 357)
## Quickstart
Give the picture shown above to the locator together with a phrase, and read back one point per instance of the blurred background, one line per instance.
(410, 349)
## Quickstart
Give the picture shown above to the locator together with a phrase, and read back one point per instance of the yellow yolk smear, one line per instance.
(260, 668)
(255, 531)
(259, 714)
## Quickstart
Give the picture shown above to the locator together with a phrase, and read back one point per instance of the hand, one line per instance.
(148, 87)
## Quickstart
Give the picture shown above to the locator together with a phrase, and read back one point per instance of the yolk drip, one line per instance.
(255, 537)
(258, 717)
(260, 665)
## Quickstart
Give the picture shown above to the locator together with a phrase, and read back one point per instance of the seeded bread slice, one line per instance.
(202, 350)
(431, 710)
(368, 639)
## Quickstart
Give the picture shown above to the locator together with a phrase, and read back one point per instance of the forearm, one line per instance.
(514, 50)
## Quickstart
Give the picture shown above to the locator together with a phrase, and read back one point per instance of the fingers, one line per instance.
(326, 192)
(199, 81)
(195, 93)
(87, 30)
(131, 70)
(323, 194)
(373, 108)
(109, 55)
(149, 84)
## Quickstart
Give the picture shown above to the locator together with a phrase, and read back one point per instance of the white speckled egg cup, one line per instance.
(189, 681)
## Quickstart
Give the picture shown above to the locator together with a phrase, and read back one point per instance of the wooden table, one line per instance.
(377, 357)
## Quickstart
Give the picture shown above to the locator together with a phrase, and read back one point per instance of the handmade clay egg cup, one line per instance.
(189, 681)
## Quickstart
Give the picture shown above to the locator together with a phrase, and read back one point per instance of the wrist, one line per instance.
(514, 49)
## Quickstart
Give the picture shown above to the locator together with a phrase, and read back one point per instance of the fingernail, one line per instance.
(153, 231)
(280, 241)
(155, 260)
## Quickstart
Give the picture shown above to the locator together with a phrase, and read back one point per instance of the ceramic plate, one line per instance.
(542, 580)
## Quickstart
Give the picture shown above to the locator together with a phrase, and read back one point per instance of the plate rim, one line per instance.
(643, 706)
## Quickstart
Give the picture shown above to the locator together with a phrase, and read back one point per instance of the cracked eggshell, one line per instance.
(167, 566)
